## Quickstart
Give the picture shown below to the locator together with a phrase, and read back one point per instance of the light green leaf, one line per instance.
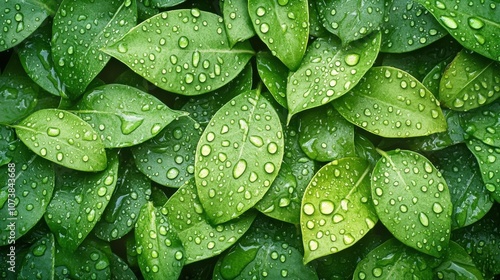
(124, 116)
(336, 208)
(28, 183)
(474, 26)
(328, 71)
(408, 26)
(351, 20)
(159, 249)
(19, 97)
(79, 201)
(237, 21)
(200, 239)
(283, 26)
(63, 138)
(391, 103)
(470, 81)
(413, 201)
(39, 261)
(182, 51)
(273, 74)
(488, 158)
(238, 156)
(20, 18)
(483, 123)
(80, 29)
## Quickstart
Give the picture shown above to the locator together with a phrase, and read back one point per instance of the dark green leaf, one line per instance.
(488, 158)
(19, 97)
(39, 261)
(237, 21)
(483, 123)
(119, 268)
(413, 201)
(336, 208)
(457, 264)
(166, 3)
(189, 54)
(391, 103)
(283, 26)
(87, 262)
(316, 27)
(431, 80)
(8, 144)
(238, 156)
(79, 202)
(63, 138)
(273, 74)
(365, 149)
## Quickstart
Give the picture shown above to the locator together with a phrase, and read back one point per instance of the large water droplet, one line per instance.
(424, 220)
(239, 168)
(449, 22)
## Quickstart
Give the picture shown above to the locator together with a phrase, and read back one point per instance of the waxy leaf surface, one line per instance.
(39, 261)
(483, 123)
(488, 158)
(237, 21)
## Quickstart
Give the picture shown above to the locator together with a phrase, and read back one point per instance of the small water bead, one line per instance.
(326, 207)
(352, 59)
(475, 23)
(308, 209)
(264, 28)
(424, 220)
(183, 42)
(449, 22)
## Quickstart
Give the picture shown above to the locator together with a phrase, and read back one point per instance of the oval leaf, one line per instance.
(19, 97)
(63, 138)
(336, 208)
(8, 144)
(413, 201)
(237, 21)
(483, 123)
(39, 261)
(86, 262)
(488, 158)
(238, 156)
(391, 103)
(273, 74)
(457, 264)
(80, 30)
(124, 116)
(182, 51)
(328, 71)
(283, 26)
(470, 81)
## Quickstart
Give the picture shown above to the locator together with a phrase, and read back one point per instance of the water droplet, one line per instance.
(449, 22)
(261, 11)
(102, 191)
(313, 245)
(308, 209)
(348, 239)
(91, 215)
(257, 141)
(59, 156)
(475, 23)
(53, 131)
(377, 271)
(326, 207)
(352, 59)
(264, 28)
(43, 152)
(239, 168)
(437, 208)
(269, 167)
(337, 218)
(424, 220)
(183, 42)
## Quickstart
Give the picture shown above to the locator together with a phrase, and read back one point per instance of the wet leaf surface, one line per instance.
(87, 262)
(237, 21)
(8, 144)
(39, 261)
(273, 74)
(19, 97)
(457, 264)
(489, 164)
(483, 123)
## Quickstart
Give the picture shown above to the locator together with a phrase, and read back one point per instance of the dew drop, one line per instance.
(449, 22)
(183, 42)
(53, 131)
(326, 207)
(352, 59)
(239, 168)
(424, 220)
(308, 209)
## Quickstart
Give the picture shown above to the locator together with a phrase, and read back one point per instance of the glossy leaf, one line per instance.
(200, 239)
(470, 199)
(351, 20)
(168, 159)
(159, 250)
(86, 262)
(336, 208)
(20, 18)
(365, 149)
(412, 200)
(270, 249)
(76, 49)
(132, 191)
(273, 74)
(28, 183)
(473, 26)
(238, 156)
(124, 116)
(166, 3)
(469, 82)
(316, 27)
(483, 123)
(237, 21)
(19, 97)
(120, 270)
(63, 138)
(283, 26)
(488, 158)
(391, 103)
(324, 135)
(39, 261)
(394, 260)
(431, 80)
(457, 264)
(184, 55)
(329, 70)
(408, 26)
(8, 144)
(79, 202)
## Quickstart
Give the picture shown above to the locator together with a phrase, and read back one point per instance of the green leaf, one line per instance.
(413, 201)
(20, 18)
(237, 21)
(324, 135)
(273, 74)
(470, 199)
(132, 191)
(189, 54)
(351, 20)
(469, 82)
(63, 138)
(283, 26)
(328, 71)
(159, 249)
(120, 270)
(431, 80)
(393, 260)
(391, 103)
(80, 30)
(488, 158)
(79, 202)
(483, 123)
(474, 26)
(336, 208)
(168, 159)
(365, 149)
(457, 264)
(316, 27)
(39, 261)
(166, 3)
(238, 156)
(200, 239)
(8, 144)
(124, 116)
(86, 262)
(19, 97)
(28, 183)
(408, 26)
(270, 249)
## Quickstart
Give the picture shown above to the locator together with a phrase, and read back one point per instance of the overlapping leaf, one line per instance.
(237, 21)
(273, 74)
(488, 158)
(483, 123)
(19, 98)
(39, 261)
